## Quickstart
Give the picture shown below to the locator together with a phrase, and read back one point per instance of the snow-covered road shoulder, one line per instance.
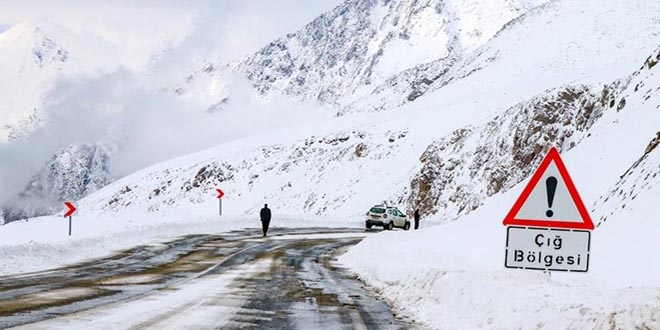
(417, 273)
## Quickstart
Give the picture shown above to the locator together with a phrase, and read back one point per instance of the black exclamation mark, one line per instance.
(550, 187)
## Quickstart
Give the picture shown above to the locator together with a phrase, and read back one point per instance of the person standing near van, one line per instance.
(265, 219)
(416, 215)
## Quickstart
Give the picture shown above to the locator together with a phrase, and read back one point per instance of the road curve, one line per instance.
(236, 280)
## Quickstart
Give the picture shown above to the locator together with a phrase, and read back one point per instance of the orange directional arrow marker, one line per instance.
(71, 210)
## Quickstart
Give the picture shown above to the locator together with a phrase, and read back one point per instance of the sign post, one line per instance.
(549, 227)
(220, 195)
(69, 214)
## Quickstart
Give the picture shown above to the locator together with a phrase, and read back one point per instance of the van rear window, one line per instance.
(377, 210)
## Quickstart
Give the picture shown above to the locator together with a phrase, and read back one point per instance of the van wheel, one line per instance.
(369, 226)
(389, 226)
(406, 226)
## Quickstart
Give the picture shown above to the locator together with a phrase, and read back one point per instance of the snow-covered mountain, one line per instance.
(354, 49)
(34, 55)
(71, 174)
(548, 93)
(362, 43)
(472, 135)
(375, 31)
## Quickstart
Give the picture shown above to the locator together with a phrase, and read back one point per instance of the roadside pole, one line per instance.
(69, 214)
(220, 195)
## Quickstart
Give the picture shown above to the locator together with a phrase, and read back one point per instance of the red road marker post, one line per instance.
(220, 194)
(71, 209)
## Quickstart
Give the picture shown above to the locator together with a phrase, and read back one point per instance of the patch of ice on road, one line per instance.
(204, 303)
(60, 294)
(137, 279)
(320, 236)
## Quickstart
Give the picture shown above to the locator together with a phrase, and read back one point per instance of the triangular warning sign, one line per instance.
(550, 199)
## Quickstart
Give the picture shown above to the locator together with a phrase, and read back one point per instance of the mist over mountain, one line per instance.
(66, 86)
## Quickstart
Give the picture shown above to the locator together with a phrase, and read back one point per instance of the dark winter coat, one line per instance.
(265, 214)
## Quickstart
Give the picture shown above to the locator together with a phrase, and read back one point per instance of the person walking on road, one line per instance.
(265, 219)
(416, 215)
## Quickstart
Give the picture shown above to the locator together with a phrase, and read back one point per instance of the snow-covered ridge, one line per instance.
(311, 64)
(641, 180)
(347, 52)
(285, 175)
(72, 173)
(363, 162)
(455, 175)
(511, 68)
(462, 170)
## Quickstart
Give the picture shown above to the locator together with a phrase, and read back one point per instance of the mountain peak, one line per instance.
(345, 53)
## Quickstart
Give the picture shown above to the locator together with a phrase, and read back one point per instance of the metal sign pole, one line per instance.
(70, 226)
(220, 205)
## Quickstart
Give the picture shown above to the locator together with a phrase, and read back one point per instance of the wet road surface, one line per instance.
(236, 280)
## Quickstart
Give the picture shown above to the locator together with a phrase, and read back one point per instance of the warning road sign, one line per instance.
(550, 199)
(548, 249)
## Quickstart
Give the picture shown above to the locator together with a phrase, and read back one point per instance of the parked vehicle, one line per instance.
(387, 217)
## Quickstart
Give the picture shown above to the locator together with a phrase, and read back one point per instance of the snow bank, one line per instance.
(453, 276)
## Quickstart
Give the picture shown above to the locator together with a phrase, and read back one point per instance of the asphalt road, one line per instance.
(236, 280)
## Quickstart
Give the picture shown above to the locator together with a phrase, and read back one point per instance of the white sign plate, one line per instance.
(548, 249)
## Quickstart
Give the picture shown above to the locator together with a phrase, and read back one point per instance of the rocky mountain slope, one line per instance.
(360, 45)
(71, 174)
(448, 151)
(372, 36)
(638, 185)
(473, 163)
(376, 162)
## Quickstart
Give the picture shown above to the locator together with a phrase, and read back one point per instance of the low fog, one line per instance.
(134, 108)
(147, 124)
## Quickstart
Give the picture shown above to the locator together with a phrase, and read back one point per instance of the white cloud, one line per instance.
(128, 106)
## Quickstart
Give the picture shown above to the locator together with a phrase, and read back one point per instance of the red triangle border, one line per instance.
(552, 156)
